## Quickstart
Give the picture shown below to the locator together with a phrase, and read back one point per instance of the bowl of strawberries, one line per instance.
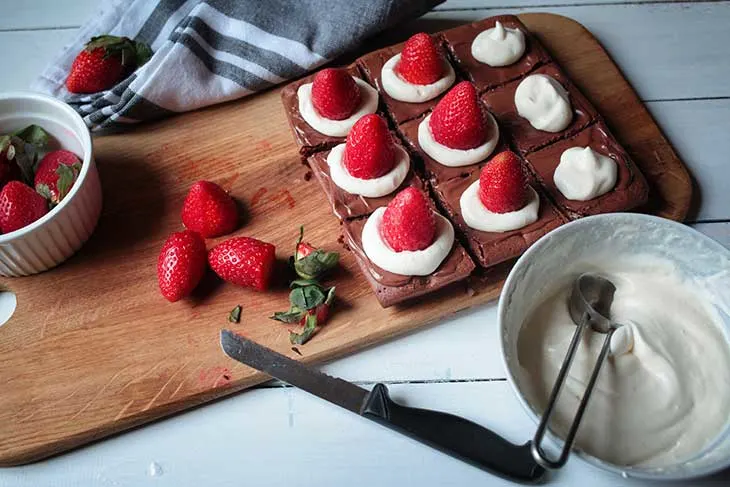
(50, 194)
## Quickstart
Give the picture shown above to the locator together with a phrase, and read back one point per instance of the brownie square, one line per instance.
(459, 41)
(308, 139)
(631, 189)
(435, 171)
(526, 138)
(399, 111)
(392, 288)
(347, 205)
(490, 248)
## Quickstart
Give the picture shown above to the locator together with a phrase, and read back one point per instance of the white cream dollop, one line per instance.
(544, 103)
(408, 262)
(336, 128)
(402, 90)
(584, 174)
(664, 392)
(456, 157)
(478, 217)
(370, 188)
(498, 46)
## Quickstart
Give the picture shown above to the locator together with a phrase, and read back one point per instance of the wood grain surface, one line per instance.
(93, 349)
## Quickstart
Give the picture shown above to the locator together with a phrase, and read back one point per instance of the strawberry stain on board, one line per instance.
(257, 196)
(214, 377)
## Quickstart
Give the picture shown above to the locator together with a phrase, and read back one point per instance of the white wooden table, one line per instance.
(674, 54)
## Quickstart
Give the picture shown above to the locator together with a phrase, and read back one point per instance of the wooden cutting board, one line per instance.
(93, 349)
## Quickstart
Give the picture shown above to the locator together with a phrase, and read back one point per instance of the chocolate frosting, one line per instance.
(631, 189)
(526, 138)
(459, 41)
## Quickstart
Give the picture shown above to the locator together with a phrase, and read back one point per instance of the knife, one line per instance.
(450, 434)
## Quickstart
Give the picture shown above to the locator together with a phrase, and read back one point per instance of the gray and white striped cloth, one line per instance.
(211, 51)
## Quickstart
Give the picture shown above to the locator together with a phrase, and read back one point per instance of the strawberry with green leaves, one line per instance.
(104, 61)
(56, 175)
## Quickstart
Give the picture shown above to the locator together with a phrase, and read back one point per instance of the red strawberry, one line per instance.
(104, 61)
(322, 312)
(304, 249)
(244, 261)
(181, 264)
(370, 151)
(56, 174)
(408, 221)
(459, 119)
(20, 206)
(335, 95)
(502, 184)
(209, 210)
(421, 62)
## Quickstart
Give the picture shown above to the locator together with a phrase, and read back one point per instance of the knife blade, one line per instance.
(450, 434)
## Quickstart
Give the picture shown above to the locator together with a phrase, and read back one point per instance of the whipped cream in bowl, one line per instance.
(499, 46)
(456, 157)
(336, 128)
(584, 174)
(370, 188)
(543, 101)
(407, 262)
(661, 406)
(478, 217)
(402, 90)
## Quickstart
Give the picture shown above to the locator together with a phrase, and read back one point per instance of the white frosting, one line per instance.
(371, 188)
(498, 46)
(408, 262)
(478, 217)
(584, 174)
(666, 394)
(544, 103)
(402, 90)
(336, 128)
(456, 157)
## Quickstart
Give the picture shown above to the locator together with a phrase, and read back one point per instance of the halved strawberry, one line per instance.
(408, 221)
(421, 61)
(244, 261)
(369, 151)
(209, 210)
(502, 184)
(181, 264)
(459, 120)
(335, 95)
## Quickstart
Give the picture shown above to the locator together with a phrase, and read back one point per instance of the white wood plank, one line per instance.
(284, 437)
(45, 14)
(667, 50)
(28, 52)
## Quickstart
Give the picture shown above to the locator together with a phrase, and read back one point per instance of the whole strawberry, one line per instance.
(56, 174)
(502, 184)
(369, 150)
(459, 120)
(244, 261)
(20, 206)
(104, 61)
(420, 63)
(408, 221)
(209, 210)
(335, 95)
(181, 264)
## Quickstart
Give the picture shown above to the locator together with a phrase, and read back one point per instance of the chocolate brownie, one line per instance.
(392, 288)
(490, 248)
(346, 205)
(308, 139)
(526, 138)
(399, 111)
(631, 189)
(459, 40)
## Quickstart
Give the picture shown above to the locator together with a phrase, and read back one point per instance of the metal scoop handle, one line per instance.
(537, 451)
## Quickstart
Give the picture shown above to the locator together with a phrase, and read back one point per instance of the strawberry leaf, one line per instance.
(330, 296)
(310, 325)
(45, 191)
(235, 315)
(5, 144)
(294, 315)
(307, 297)
(66, 177)
(142, 53)
(316, 264)
(304, 283)
(34, 135)
(26, 157)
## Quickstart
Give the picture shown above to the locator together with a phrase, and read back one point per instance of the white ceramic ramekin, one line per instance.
(560, 255)
(62, 231)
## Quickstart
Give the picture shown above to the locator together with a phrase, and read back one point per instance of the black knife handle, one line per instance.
(455, 436)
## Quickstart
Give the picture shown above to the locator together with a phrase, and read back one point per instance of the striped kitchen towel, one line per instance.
(210, 51)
